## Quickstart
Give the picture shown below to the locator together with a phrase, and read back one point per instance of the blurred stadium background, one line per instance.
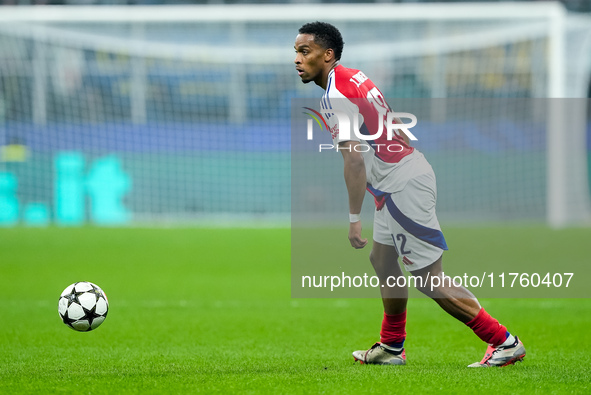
(573, 5)
(179, 116)
(132, 115)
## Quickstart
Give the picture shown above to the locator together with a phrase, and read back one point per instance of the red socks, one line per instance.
(393, 330)
(488, 329)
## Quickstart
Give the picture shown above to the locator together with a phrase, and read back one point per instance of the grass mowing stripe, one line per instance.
(209, 310)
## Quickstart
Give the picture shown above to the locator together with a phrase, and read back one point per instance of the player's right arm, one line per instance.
(404, 136)
(355, 179)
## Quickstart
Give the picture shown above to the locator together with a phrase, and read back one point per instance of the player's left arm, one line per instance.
(356, 181)
(404, 136)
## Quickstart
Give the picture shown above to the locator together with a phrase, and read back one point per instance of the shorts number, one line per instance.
(402, 239)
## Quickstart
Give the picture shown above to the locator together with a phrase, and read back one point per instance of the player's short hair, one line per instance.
(326, 35)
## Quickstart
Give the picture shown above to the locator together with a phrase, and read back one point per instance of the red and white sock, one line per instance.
(393, 331)
(489, 329)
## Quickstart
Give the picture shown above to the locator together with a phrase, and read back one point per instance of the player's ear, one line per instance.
(329, 55)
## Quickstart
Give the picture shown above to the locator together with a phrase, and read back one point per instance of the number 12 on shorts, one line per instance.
(402, 239)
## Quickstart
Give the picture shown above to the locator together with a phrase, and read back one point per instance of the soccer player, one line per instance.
(403, 185)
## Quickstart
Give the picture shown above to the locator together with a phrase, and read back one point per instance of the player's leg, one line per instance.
(384, 259)
(504, 348)
(456, 300)
(420, 243)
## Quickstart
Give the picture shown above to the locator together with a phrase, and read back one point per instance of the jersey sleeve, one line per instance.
(340, 114)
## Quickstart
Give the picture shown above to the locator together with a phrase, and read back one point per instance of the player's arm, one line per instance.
(355, 179)
(404, 136)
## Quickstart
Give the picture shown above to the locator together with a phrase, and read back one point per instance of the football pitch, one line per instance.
(210, 310)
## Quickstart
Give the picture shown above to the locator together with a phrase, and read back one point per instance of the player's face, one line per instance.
(310, 58)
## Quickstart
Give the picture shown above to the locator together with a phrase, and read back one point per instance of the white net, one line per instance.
(176, 114)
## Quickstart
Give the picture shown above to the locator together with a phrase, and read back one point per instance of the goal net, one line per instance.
(181, 114)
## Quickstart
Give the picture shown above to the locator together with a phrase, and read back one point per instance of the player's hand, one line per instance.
(355, 235)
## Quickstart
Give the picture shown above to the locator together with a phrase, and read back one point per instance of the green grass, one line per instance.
(209, 310)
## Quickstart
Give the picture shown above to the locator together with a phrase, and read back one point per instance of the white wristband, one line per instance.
(354, 218)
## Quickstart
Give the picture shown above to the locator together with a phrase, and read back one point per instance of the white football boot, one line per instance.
(380, 354)
(502, 355)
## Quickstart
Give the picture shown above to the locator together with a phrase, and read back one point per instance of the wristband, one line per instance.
(354, 218)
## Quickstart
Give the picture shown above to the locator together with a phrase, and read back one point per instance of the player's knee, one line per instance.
(375, 262)
(372, 258)
(378, 264)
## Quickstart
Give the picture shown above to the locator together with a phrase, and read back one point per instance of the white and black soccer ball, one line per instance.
(83, 306)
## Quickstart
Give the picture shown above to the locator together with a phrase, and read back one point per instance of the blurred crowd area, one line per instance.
(572, 5)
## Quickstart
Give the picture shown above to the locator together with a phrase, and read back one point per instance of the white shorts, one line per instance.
(408, 222)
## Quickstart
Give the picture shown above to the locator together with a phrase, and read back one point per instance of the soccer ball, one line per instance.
(83, 306)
